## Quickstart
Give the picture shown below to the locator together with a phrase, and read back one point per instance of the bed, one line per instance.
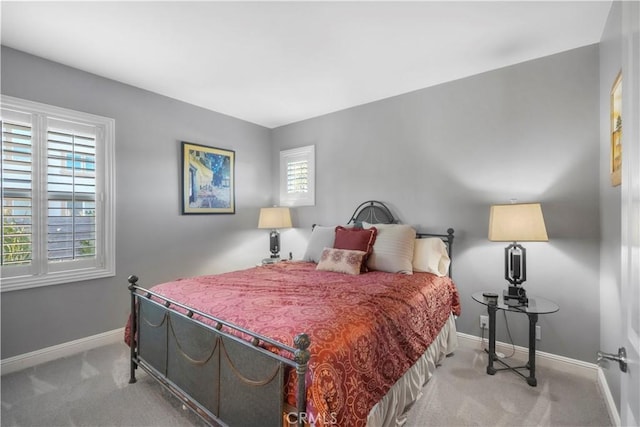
(339, 338)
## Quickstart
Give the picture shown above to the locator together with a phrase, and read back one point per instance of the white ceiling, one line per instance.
(274, 63)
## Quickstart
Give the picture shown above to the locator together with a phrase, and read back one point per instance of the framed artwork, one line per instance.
(208, 180)
(616, 131)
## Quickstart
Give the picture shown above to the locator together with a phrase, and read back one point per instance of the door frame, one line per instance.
(630, 212)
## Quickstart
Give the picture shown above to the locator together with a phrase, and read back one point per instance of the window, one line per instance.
(297, 177)
(58, 216)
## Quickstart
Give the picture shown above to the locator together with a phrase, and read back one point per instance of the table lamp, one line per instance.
(274, 218)
(516, 222)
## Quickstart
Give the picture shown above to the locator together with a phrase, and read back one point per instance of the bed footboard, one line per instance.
(225, 379)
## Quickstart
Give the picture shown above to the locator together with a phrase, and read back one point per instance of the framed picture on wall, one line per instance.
(616, 131)
(208, 180)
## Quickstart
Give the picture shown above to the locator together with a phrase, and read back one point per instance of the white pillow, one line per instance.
(430, 256)
(321, 237)
(393, 248)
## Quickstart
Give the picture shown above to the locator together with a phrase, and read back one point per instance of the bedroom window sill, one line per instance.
(35, 281)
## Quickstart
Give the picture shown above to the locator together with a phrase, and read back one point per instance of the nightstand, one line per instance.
(535, 307)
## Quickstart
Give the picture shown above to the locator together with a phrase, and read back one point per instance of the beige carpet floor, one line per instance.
(91, 389)
(460, 393)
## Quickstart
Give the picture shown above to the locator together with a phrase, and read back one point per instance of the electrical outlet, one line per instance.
(484, 322)
(538, 333)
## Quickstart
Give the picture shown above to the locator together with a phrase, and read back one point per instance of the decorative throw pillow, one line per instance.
(393, 248)
(430, 256)
(341, 261)
(321, 237)
(356, 239)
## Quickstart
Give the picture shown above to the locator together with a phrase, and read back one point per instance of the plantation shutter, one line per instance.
(58, 194)
(17, 189)
(297, 176)
(71, 191)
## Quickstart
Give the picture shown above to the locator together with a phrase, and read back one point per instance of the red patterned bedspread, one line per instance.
(365, 330)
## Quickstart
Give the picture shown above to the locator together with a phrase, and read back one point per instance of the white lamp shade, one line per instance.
(521, 222)
(273, 218)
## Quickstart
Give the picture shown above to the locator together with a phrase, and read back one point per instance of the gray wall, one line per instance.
(153, 240)
(610, 204)
(439, 157)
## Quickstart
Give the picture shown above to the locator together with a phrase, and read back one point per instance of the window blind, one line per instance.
(71, 196)
(17, 193)
(298, 176)
(58, 194)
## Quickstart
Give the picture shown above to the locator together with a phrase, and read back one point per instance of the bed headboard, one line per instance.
(375, 212)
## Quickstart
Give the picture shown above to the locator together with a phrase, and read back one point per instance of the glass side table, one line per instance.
(535, 307)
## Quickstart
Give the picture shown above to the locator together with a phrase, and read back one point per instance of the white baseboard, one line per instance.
(551, 361)
(543, 360)
(603, 385)
(28, 360)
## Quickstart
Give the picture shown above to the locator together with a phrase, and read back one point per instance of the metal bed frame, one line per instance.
(223, 372)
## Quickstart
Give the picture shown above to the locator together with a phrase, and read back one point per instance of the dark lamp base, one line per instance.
(515, 295)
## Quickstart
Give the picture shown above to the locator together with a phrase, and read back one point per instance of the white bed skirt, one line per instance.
(392, 409)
